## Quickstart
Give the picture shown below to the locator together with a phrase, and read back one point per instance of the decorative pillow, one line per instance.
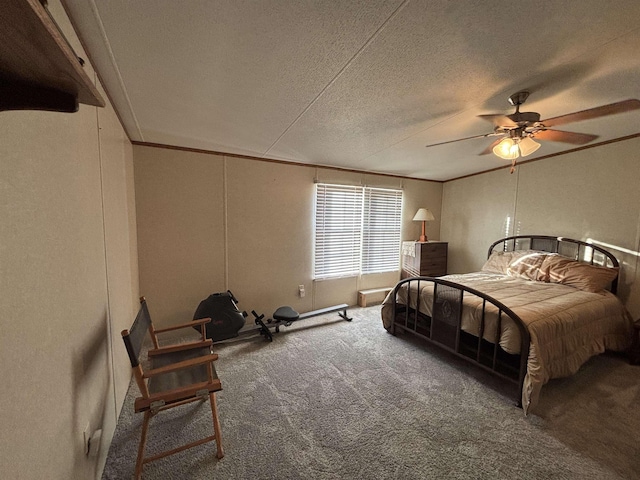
(519, 263)
(590, 278)
(528, 266)
(498, 262)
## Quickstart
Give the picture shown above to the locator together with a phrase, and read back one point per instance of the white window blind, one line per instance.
(338, 230)
(381, 230)
(357, 230)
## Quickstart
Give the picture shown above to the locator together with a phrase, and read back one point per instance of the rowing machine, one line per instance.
(228, 322)
(286, 316)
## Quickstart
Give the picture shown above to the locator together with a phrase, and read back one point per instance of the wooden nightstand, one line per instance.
(634, 351)
(424, 259)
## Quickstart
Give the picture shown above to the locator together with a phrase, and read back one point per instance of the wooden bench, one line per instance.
(373, 294)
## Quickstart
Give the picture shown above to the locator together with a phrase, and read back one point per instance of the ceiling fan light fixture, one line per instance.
(507, 149)
(527, 146)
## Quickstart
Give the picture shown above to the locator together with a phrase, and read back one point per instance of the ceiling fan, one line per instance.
(517, 131)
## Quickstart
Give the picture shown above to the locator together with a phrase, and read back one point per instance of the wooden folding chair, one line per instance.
(179, 374)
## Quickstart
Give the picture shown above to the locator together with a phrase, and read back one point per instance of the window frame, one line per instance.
(354, 254)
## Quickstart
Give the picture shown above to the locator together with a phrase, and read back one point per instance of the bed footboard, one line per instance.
(444, 326)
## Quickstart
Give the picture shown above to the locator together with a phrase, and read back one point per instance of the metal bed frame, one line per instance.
(443, 327)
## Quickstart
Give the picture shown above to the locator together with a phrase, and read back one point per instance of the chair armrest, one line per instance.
(181, 365)
(183, 325)
(175, 395)
(179, 347)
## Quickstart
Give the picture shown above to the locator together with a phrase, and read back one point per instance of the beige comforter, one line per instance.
(567, 326)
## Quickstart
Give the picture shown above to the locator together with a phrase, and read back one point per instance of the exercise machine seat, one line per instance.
(286, 314)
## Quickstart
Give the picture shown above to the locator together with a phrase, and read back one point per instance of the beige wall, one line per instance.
(181, 234)
(68, 279)
(475, 212)
(590, 194)
(208, 223)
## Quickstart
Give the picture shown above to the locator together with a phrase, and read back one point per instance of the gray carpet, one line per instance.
(330, 399)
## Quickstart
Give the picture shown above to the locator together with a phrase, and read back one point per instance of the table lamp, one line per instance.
(423, 215)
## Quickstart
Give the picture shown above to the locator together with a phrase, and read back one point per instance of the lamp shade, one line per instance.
(423, 215)
(507, 149)
(527, 146)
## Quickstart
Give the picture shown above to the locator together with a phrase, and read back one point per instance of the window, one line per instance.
(381, 230)
(357, 230)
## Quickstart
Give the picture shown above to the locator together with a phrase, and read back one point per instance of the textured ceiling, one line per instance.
(362, 84)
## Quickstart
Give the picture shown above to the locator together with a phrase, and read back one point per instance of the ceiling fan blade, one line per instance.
(489, 149)
(611, 109)
(499, 120)
(565, 137)
(461, 139)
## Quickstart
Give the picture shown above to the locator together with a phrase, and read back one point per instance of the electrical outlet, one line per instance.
(301, 291)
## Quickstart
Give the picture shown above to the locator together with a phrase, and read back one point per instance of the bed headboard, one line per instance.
(567, 247)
